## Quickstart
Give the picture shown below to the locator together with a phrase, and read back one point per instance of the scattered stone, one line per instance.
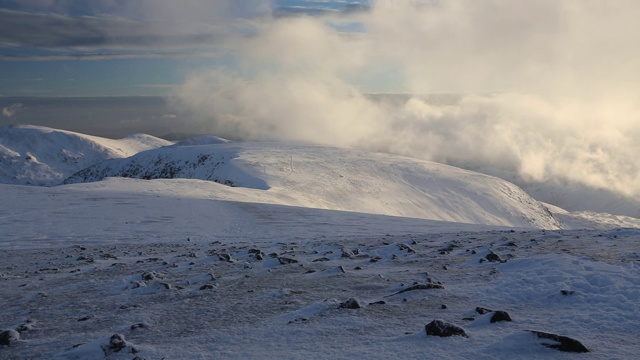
(166, 285)
(139, 326)
(285, 260)
(500, 316)
(357, 268)
(206, 287)
(88, 317)
(493, 257)
(225, 257)
(347, 253)
(321, 259)
(350, 304)
(299, 320)
(419, 287)
(138, 284)
(117, 342)
(149, 276)
(406, 247)
(567, 292)
(375, 259)
(9, 337)
(109, 256)
(443, 307)
(444, 329)
(381, 302)
(482, 311)
(561, 343)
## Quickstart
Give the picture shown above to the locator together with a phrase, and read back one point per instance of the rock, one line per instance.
(419, 287)
(206, 287)
(567, 292)
(482, 311)
(117, 342)
(561, 343)
(225, 257)
(350, 304)
(9, 337)
(149, 276)
(493, 257)
(285, 260)
(347, 253)
(406, 247)
(139, 326)
(29, 325)
(321, 259)
(85, 318)
(444, 329)
(381, 302)
(500, 316)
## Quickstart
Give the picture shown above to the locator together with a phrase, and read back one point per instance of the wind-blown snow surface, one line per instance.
(181, 273)
(35, 155)
(194, 269)
(337, 179)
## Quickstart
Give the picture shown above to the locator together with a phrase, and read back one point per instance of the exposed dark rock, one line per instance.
(285, 260)
(567, 292)
(443, 306)
(149, 276)
(406, 247)
(500, 316)
(444, 329)
(206, 287)
(299, 320)
(350, 304)
(381, 302)
(9, 337)
(25, 327)
(85, 318)
(375, 259)
(117, 342)
(561, 343)
(419, 287)
(139, 326)
(347, 253)
(493, 257)
(482, 311)
(225, 257)
(321, 259)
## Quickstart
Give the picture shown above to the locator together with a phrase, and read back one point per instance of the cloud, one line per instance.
(12, 110)
(548, 90)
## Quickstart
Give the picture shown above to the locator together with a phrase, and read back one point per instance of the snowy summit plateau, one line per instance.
(207, 248)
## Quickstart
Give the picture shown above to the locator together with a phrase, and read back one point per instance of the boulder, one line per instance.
(444, 329)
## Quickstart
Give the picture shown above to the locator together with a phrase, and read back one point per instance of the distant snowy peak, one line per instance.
(337, 179)
(34, 155)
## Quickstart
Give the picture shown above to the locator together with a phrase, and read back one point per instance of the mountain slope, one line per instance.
(33, 155)
(337, 179)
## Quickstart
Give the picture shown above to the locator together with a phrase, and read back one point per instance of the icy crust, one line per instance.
(294, 298)
(34, 155)
(338, 179)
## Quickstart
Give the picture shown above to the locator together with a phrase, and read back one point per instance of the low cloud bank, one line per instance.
(548, 89)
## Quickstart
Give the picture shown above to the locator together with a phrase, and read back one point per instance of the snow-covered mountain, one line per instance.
(34, 155)
(337, 179)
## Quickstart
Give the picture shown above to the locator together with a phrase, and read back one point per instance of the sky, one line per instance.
(133, 47)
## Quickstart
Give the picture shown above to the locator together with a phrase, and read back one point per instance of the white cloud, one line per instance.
(12, 110)
(559, 81)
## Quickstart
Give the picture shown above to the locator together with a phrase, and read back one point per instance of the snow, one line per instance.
(188, 268)
(338, 179)
(36, 155)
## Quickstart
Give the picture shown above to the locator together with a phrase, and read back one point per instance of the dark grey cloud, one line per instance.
(53, 31)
